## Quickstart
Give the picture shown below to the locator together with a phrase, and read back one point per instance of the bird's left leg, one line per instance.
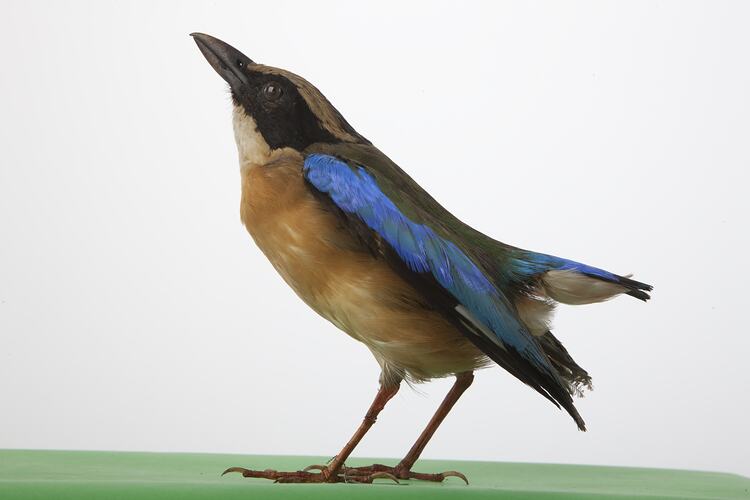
(403, 469)
(334, 471)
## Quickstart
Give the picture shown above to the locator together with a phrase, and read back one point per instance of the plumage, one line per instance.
(338, 277)
(371, 251)
(438, 262)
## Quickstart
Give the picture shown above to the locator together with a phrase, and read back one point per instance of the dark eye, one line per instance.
(272, 91)
(240, 63)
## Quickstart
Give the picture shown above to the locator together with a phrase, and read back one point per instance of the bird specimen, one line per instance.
(371, 251)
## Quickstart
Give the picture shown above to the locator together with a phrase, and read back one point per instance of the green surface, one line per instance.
(83, 475)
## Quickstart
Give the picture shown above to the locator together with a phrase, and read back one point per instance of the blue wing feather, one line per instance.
(356, 192)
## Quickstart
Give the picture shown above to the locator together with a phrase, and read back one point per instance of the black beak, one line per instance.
(228, 62)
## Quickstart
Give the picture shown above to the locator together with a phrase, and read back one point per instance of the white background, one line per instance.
(136, 314)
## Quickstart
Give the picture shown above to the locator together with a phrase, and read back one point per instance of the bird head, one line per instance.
(273, 108)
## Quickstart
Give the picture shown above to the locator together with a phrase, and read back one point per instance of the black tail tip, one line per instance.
(636, 288)
(576, 417)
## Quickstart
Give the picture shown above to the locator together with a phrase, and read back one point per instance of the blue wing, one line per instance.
(355, 191)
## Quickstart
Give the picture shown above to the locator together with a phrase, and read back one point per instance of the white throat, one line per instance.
(252, 148)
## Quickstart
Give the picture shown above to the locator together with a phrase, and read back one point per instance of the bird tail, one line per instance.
(577, 378)
(571, 282)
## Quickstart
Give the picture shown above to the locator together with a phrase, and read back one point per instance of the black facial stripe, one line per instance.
(286, 121)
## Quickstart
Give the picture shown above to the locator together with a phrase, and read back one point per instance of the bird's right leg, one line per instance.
(332, 473)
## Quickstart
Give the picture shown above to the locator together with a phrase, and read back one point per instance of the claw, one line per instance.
(241, 470)
(382, 475)
(321, 468)
(454, 473)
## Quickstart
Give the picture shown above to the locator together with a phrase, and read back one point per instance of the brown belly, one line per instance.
(344, 283)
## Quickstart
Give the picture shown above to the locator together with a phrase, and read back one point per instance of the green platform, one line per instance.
(83, 475)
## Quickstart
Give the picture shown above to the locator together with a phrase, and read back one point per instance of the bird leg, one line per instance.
(403, 469)
(334, 471)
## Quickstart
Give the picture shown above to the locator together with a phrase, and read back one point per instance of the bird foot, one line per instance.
(305, 476)
(400, 473)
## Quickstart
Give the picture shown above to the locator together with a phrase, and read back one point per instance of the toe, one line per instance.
(382, 475)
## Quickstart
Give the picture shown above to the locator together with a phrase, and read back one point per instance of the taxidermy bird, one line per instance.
(372, 252)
